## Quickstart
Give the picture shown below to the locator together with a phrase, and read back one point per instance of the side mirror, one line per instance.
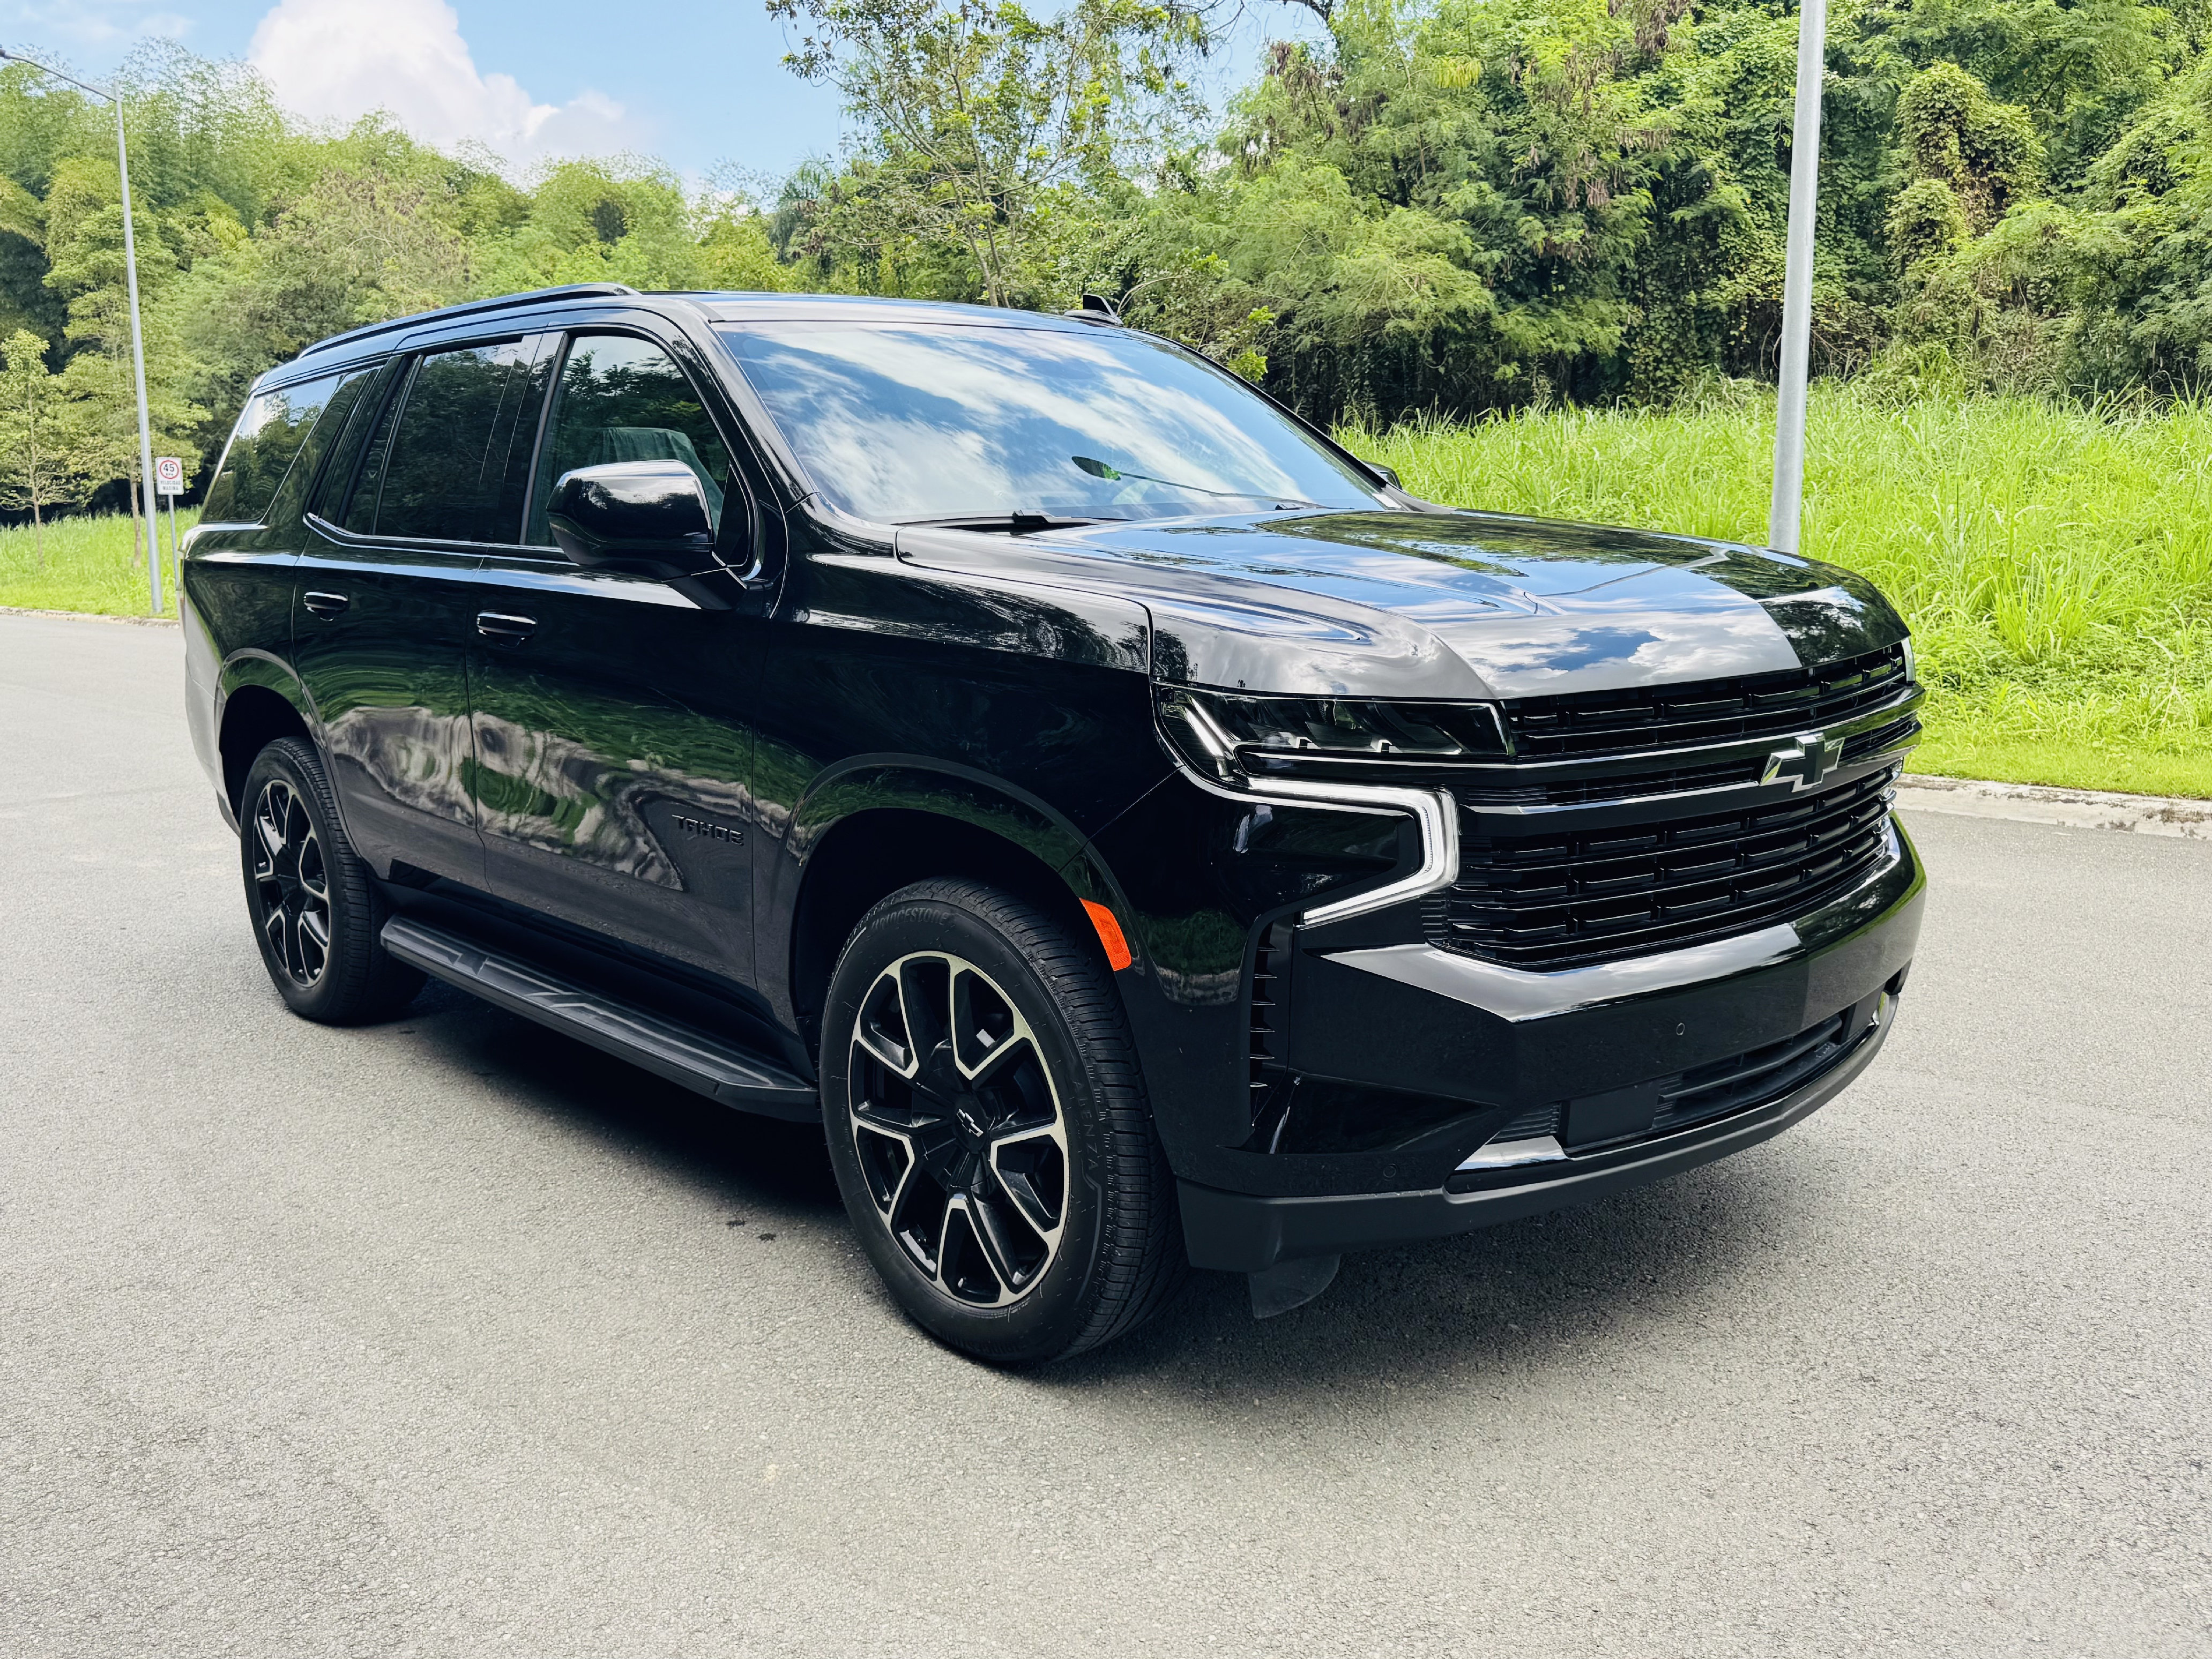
(647, 517)
(1388, 475)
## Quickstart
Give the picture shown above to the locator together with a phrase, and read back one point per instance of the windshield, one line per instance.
(904, 423)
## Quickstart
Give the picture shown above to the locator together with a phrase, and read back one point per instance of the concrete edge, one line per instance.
(2076, 808)
(89, 616)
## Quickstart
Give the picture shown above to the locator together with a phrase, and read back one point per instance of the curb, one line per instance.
(89, 616)
(2074, 809)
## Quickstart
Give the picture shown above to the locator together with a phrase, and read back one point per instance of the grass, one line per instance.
(90, 565)
(2055, 562)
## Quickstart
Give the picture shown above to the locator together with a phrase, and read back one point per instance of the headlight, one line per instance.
(1231, 736)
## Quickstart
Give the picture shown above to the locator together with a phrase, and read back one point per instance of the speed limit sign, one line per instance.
(168, 475)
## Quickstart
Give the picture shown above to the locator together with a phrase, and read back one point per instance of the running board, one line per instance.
(714, 1065)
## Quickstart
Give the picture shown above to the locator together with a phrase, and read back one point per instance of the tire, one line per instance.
(1009, 1188)
(316, 911)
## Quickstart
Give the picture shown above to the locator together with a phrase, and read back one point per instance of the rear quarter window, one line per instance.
(263, 446)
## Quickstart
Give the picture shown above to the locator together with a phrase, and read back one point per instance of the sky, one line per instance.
(700, 85)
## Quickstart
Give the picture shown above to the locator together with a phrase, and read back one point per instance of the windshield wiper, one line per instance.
(1098, 469)
(1014, 524)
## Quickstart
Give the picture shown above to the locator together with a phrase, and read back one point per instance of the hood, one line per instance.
(1445, 604)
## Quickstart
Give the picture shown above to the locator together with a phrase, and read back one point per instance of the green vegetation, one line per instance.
(256, 236)
(2055, 562)
(1445, 213)
(1444, 208)
(91, 564)
(1451, 207)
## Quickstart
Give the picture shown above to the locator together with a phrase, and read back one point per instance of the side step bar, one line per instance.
(714, 1065)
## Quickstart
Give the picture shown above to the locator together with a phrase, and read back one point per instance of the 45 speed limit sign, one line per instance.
(169, 475)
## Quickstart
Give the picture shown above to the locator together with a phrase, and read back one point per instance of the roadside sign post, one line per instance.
(145, 483)
(169, 480)
(1789, 502)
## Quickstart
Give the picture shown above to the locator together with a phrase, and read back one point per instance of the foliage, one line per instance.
(1444, 208)
(256, 236)
(91, 563)
(43, 431)
(1456, 206)
(981, 118)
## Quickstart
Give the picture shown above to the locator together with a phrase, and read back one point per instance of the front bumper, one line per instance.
(1481, 1050)
(1242, 1232)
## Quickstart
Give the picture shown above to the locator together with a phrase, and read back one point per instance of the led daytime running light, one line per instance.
(1229, 735)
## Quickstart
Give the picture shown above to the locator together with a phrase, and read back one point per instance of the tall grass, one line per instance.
(2055, 562)
(89, 565)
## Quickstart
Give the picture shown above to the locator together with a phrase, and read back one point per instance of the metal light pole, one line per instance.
(1782, 519)
(137, 338)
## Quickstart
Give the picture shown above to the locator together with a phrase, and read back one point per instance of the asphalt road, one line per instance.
(451, 1337)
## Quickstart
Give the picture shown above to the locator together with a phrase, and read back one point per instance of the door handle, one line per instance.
(325, 605)
(502, 629)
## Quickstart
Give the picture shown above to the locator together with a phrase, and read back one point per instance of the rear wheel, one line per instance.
(987, 1123)
(315, 909)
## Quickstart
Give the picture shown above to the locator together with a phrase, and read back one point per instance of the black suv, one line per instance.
(1137, 831)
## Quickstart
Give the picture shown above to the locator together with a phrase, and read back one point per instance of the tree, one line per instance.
(349, 247)
(978, 112)
(84, 248)
(41, 434)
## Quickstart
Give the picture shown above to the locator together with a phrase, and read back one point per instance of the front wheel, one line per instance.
(987, 1123)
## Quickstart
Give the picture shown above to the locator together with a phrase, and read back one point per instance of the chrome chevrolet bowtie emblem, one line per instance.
(1805, 762)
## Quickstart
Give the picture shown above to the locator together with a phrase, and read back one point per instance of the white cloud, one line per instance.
(337, 60)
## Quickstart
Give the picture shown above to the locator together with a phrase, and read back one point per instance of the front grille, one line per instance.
(1589, 723)
(1880, 740)
(1496, 790)
(1559, 898)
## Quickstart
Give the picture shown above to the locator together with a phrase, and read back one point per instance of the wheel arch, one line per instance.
(858, 838)
(261, 701)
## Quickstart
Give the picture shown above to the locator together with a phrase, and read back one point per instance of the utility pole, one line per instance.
(1788, 507)
(155, 605)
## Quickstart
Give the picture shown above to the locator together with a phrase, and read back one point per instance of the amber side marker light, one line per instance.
(1110, 934)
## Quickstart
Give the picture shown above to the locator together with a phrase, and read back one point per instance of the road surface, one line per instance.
(451, 1337)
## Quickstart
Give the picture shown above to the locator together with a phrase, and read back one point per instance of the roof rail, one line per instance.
(506, 302)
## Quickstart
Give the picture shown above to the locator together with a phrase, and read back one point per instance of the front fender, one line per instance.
(946, 788)
(904, 795)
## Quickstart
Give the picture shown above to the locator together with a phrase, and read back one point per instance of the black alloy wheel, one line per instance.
(291, 883)
(315, 908)
(957, 1128)
(988, 1124)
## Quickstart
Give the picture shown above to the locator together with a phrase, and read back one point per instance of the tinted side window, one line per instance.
(360, 508)
(452, 468)
(330, 428)
(365, 396)
(621, 398)
(271, 429)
